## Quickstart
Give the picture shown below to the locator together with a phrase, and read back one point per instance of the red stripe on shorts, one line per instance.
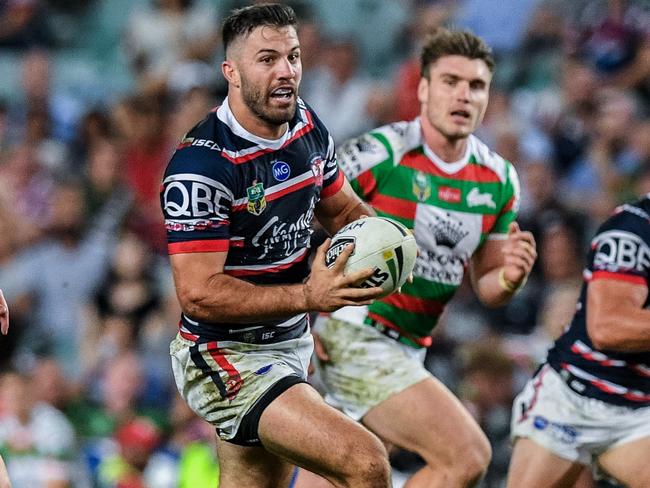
(234, 383)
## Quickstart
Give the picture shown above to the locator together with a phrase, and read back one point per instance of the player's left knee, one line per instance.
(471, 465)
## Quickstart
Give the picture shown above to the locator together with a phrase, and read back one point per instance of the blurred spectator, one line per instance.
(124, 302)
(50, 385)
(425, 18)
(143, 127)
(537, 61)
(36, 440)
(22, 24)
(50, 153)
(101, 175)
(189, 75)
(169, 31)
(561, 263)
(190, 109)
(130, 289)
(188, 458)
(39, 93)
(4, 126)
(347, 102)
(487, 389)
(559, 253)
(113, 399)
(502, 24)
(569, 127)
(377, 35)
(558, 307)
(614, 38)
(27, 190)
(311, 40)
(61, 273)
(136, 440)
(544, 208)
(610, 33)
(595, 182)
(115, 396)
(93, 128)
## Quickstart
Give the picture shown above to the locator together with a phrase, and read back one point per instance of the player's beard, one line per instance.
(258, 103)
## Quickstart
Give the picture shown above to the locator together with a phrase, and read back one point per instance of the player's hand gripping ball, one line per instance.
(381, 244)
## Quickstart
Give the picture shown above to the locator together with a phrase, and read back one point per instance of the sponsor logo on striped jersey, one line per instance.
(618, 250)
(476, 198)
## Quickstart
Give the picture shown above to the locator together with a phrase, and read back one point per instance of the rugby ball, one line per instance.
(379, 243)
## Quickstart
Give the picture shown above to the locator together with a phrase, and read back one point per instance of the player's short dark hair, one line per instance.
(243, 21)
(444, 42)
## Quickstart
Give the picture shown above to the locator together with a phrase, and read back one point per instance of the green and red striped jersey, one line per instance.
(451, 207)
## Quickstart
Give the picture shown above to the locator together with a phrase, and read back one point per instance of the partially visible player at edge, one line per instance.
(4, 328)
(239, 196)
(589, 403)
(461, 200)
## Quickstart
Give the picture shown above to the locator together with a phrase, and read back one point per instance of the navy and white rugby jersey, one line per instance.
(620, 251)
(228, 190)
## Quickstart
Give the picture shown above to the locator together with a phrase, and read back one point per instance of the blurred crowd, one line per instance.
(96, 94)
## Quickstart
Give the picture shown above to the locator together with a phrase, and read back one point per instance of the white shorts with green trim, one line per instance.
(365, 367)
(572, 426)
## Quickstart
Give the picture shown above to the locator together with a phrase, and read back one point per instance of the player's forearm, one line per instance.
(228, 299)
(490, 291)
(626, 330)
(333, 223)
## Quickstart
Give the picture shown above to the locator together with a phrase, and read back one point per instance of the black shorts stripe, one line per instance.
(202, 364)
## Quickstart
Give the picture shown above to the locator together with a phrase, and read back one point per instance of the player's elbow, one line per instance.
(602, 334)
(192, 303)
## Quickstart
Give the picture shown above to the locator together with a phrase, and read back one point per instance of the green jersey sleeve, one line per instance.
(509, 202)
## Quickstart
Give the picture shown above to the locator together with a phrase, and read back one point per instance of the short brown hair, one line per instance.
(444, 42)
(243, 21)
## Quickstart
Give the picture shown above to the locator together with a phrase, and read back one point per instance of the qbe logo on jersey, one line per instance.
(281, 170)
(617, 250)
(188, 196)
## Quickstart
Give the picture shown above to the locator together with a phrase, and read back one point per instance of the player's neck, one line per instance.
(449, 150)
(252, 123)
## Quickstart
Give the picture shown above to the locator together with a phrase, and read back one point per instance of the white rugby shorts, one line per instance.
(223, 381)
(365, 367)
(572, 426)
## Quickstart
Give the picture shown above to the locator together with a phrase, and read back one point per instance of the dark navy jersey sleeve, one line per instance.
(621, 248)
(196, 197)
(326, 171)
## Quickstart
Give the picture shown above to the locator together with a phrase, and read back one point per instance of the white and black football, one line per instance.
(379, 243)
